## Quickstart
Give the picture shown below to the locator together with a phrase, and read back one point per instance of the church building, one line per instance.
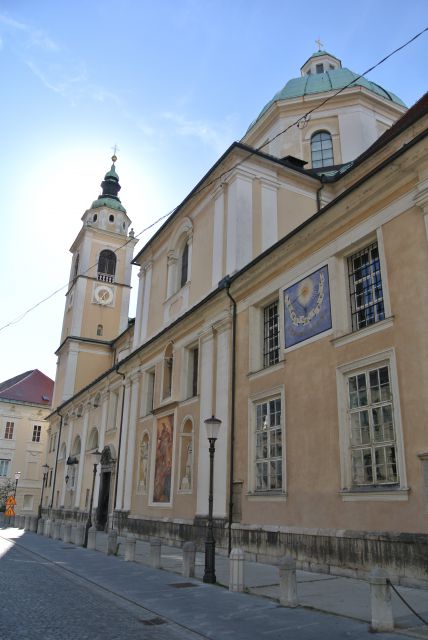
(286, 297)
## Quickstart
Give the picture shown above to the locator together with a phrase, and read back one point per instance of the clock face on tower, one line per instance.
(307, 308)
(103, 294)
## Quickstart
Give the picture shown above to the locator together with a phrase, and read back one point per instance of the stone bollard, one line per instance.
(51, 528)
(92, 538)
(33, 524)
(46, 528)
(380, 596)
(67, 532)
(112, 543)
(80, 535)
(21, 522)
(27, 523)
(189, 553)
(73, 533)
(287, 582)
(236, 570)
(40, 526)
(61, 530)
(56, 529)
(155, 553)
(130, 548)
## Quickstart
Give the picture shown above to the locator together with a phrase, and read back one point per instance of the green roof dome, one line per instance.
(111, 187)
(329, 80)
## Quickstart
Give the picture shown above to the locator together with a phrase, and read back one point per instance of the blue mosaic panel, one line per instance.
(307, 310)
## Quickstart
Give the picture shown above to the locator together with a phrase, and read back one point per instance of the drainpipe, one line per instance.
(319, 192)
(120, 443)
(225, 284)
(56, 460)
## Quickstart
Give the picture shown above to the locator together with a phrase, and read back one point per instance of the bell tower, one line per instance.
(97, 299)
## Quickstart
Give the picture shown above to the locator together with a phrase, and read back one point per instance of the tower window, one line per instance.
(76, 266)
(111, 218)
(106, 266)
(95, 218)
(100, 330)
(319, 68)
(322, 150)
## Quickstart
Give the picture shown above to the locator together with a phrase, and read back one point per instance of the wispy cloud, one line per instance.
(34, 37)
(216, 136)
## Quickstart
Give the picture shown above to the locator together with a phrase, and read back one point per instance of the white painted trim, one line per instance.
(130, 453)
(398, 495)
(256, 398)
(342, 372)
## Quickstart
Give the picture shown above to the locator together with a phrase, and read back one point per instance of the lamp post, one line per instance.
(213, 426)
(45, 475)
(17, 476)
(89, 520)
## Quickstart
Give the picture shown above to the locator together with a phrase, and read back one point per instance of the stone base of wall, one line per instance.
(338, 552)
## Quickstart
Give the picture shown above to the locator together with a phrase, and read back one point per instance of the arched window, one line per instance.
(321, 150)
(76, 266)
(143, 468)
(186, 456)
(106, 265)
(184, 266)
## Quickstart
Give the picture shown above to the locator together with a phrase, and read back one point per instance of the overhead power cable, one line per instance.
(220, 176)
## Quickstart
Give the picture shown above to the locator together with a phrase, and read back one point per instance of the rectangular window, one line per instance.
(365, 287)
(149, 392)
(195, 361)
(268, 447)
(37, 430)
(270, 334)
(8, 432)
(4, 468)
(372, 430)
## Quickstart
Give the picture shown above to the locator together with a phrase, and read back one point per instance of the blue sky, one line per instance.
(173, 83)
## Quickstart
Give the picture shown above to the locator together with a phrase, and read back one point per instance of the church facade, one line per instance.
(286, 297)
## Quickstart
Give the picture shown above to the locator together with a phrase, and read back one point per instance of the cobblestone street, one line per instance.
(51, 590)
(41, 601)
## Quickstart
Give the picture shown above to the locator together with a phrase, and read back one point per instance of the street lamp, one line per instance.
(45, 475)
(97, 454)
(213, 427)
(17, 476)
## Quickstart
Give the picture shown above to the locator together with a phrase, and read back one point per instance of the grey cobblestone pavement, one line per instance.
(55, 591)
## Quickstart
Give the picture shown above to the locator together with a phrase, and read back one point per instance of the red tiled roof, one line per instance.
(31, 386)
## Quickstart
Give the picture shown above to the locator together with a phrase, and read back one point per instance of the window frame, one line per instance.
(254, 401)
(370, 285)
(4, 465)
(340, 293)
(269, 335)
(348, 489)
(9, 430)
(37, 435)
(320, 163)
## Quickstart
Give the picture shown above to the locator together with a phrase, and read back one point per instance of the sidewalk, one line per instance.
(348, 599)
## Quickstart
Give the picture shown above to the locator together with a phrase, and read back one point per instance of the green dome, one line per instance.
(111, 188)
(332, 80)
(108, 202)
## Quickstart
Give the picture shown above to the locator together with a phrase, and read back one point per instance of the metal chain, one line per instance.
(406, 603)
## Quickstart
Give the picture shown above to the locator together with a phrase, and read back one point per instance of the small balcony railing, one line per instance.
(105, 277)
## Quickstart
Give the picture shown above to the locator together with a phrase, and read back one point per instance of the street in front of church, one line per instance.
(56, 591)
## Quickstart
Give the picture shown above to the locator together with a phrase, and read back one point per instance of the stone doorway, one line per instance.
(103, 500)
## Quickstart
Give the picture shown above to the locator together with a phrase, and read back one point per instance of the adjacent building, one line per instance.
(286, 296)
(25, 403)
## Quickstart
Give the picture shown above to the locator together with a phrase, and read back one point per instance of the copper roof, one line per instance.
(31, 386)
